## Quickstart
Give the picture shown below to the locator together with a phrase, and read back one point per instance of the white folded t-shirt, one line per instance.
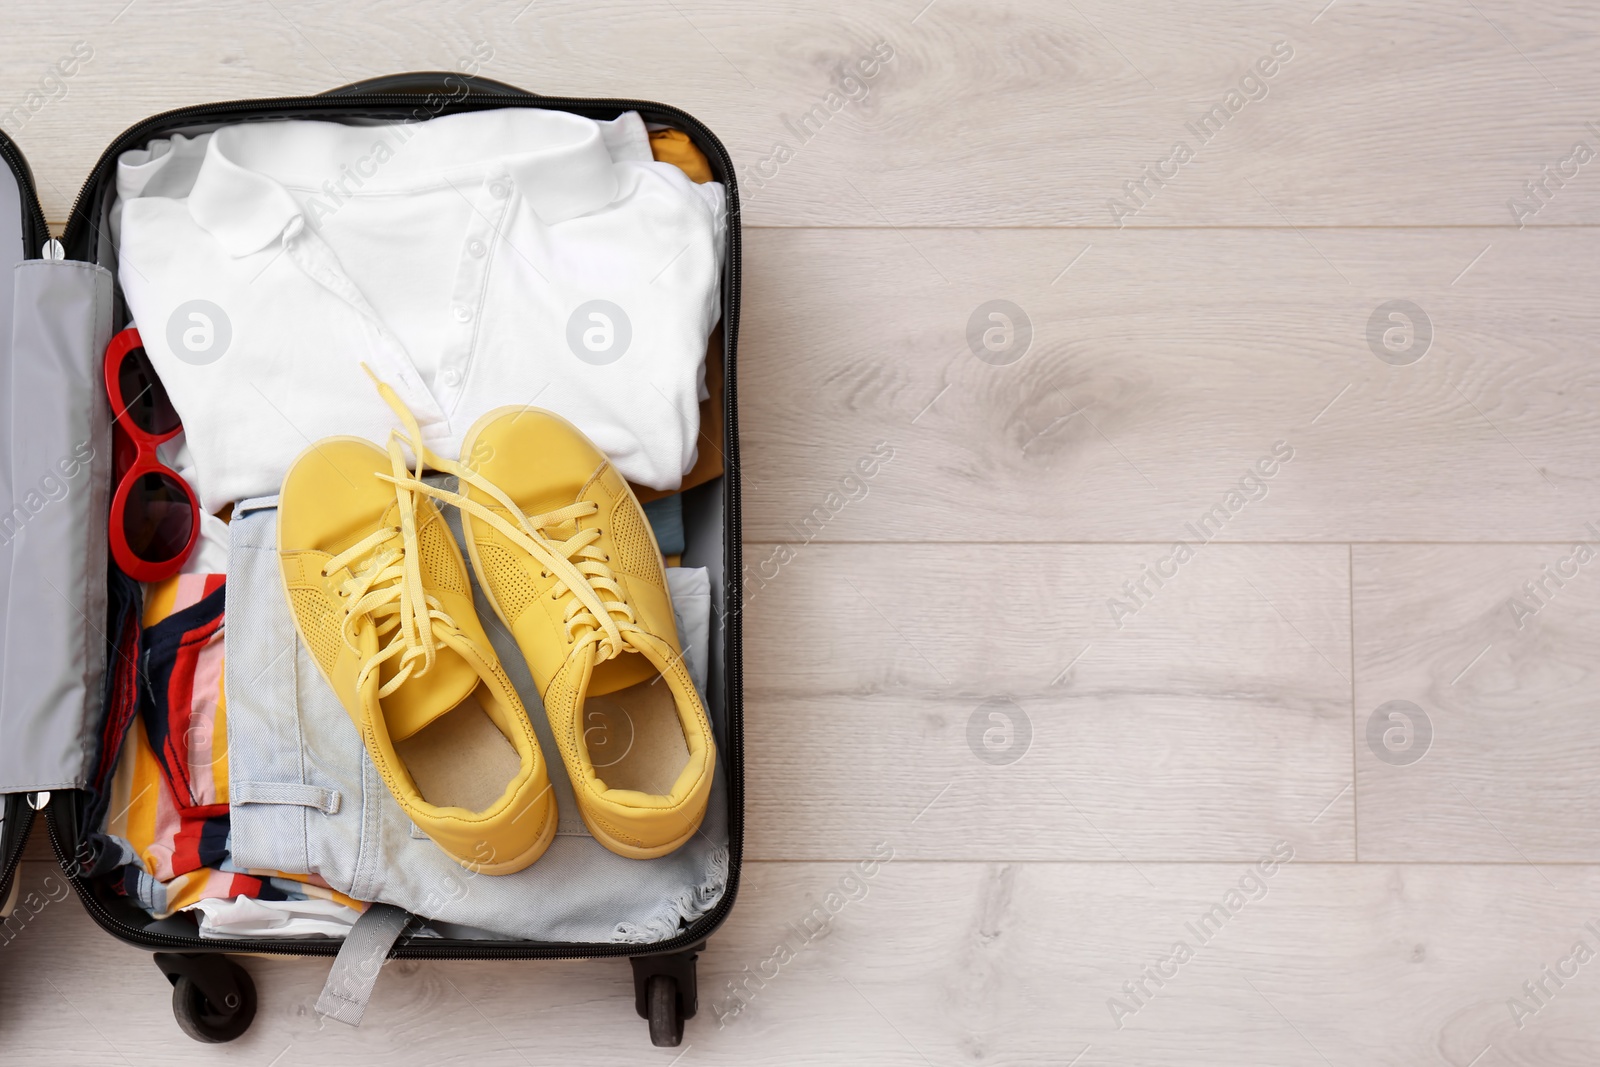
(473, 261)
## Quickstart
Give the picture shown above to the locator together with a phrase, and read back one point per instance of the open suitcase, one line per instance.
(54, 689)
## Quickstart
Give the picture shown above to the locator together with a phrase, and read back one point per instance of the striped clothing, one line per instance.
(168, 798)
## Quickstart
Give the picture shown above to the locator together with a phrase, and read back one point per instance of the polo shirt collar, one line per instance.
(567, 181)
(243, 209)
(569, 173)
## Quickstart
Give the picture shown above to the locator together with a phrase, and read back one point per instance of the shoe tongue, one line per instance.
(359, 528)
(423, 698)
(621, 671)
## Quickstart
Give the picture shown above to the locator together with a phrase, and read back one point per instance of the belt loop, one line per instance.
(292, 793)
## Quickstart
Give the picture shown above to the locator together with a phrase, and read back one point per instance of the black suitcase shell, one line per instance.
(214, 998)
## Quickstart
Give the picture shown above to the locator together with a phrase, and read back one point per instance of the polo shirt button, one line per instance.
(463, 314)
(476, 249)
(500, 190)
(452, 377)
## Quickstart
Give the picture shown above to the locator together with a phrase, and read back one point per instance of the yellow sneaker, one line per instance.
(379, 594)
(565, 556)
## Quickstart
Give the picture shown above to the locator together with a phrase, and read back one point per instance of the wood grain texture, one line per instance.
(1162, 366)
(904, 625)
(932, 963)
(1506, 677)
(1024, 112)
(1188, 724)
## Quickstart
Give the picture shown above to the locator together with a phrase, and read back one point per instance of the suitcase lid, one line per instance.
(22, 235)
(54, 437)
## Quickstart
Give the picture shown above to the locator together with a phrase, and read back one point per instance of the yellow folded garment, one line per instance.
(674, 146)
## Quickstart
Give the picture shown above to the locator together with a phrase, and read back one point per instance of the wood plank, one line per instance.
(933, 963)
(987, 702)
(1163, 365)
(1021, 113)
(38, 846)
(1504, 678)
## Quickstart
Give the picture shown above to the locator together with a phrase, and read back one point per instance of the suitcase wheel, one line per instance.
(665, 993)
(213, 998)
(666, 1020)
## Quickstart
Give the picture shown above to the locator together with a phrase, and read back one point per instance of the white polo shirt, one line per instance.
(476, 260)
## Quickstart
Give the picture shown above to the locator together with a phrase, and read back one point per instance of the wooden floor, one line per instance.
(1081, 742)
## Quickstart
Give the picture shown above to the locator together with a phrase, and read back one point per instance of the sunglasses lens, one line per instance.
(158, 518)
(148, 406)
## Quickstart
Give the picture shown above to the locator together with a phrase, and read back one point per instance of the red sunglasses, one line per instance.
(155, 517)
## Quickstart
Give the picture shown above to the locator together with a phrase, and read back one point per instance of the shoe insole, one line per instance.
(461, 759)
(635, 739)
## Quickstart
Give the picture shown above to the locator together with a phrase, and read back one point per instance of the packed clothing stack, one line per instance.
(405, 417)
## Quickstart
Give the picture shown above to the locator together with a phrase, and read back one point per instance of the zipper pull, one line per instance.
(53, 249)
(39, 801)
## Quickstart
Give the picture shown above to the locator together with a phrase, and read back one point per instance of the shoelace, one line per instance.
(597, 611)
(380, 589)
(386, 587)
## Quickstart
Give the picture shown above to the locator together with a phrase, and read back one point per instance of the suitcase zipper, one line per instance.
(77, 219)
(35, 231)
(419, 948)
(24, 821)
(75, 238)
